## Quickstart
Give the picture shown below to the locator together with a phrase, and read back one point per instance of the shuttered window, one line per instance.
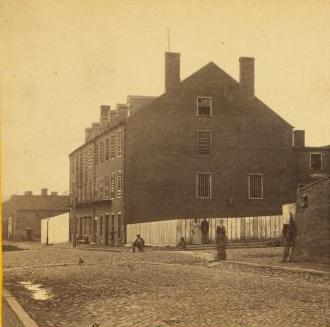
(204, 186)
(112, 186)
(256, 186)
(107, 149)
(113, 147)
(119, 183)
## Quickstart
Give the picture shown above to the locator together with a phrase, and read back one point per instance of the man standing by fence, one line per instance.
(288, 236)
(205, 231)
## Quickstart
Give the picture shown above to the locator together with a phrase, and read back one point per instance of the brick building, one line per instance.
(207, 147)
(313, 221)
(22, 214)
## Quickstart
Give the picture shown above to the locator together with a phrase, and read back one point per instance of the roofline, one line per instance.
(122, 123)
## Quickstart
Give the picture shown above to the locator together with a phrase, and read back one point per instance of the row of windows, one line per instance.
(108, 149)
(204, 186)
(109, 187)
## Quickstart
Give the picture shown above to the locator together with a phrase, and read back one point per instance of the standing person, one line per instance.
(221, 240)
(196, 232)
(288, 237)
(205, 231)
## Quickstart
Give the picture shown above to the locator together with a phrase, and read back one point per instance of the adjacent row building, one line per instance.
(22, 214)
(207, 147)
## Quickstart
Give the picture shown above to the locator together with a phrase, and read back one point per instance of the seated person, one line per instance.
(182, 244)
(138, 243)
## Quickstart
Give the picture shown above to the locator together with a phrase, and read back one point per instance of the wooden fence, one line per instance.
(169, 232)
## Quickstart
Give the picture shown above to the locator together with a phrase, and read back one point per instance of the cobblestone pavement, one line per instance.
(161, 288)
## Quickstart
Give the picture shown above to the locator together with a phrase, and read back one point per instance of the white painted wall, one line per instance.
(58, 229)
(169, 232)
(286, 209)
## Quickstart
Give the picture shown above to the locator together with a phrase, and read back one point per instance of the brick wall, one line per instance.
(161, 155)
(313, 221)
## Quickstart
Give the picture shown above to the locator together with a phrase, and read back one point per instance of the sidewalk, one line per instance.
(265, 259)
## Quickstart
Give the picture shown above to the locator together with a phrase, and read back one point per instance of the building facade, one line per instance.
(313, 221)
(206, 148)
(22, 214)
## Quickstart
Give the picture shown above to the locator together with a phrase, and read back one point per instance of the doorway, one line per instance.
(106, 231)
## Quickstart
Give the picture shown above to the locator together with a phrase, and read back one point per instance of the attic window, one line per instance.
(204, 106)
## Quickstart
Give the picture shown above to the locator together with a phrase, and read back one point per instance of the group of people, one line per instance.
(200, 235)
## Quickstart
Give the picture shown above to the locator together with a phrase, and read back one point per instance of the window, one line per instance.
(101, 151)
(204, 106)
(204, 143)
(112, 186)
(119, 183)
(96, 154)
(256, 186)
(107, 188)
(204, 186)
(120, 144)
(107, 149)
(101, 225)
(90, 158)
(101, 188)
(316, 161)
(113, 147)
(96, 190)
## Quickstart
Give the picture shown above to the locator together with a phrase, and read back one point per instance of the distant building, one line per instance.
(21, 214)
(313, 221)
(206, 148)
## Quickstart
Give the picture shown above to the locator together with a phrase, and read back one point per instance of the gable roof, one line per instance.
(213, 72)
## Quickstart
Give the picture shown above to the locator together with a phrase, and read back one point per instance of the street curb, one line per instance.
(21, 314)
(316, 272)
(286, 269)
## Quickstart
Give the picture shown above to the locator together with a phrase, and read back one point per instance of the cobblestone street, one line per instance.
(160, 288)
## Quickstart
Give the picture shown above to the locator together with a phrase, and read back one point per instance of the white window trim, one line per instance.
(211, 107)
(197, 185)
(262, 186)
(310, 160)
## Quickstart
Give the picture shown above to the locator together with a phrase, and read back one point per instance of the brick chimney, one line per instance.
(172, 71)
(53, 193)
(28, 193)
(298, 141)
(122, 111)
(44, 192)
(246, 76)
(88, 134)
(95, 129)
(104, 117)
(112, 118)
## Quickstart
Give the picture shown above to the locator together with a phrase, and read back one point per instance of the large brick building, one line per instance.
(22, 214)
(207, 147)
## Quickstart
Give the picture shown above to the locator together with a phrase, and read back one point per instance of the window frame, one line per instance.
(310, 160)
(198, 143)
(198, 186)
(211, 106)
(262, 186)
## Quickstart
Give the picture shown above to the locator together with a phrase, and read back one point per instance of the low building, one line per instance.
(313, 221)
(21, 214)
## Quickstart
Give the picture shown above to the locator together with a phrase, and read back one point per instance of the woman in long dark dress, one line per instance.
(221, 240)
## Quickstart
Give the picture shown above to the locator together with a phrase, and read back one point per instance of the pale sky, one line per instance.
(61, 59)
